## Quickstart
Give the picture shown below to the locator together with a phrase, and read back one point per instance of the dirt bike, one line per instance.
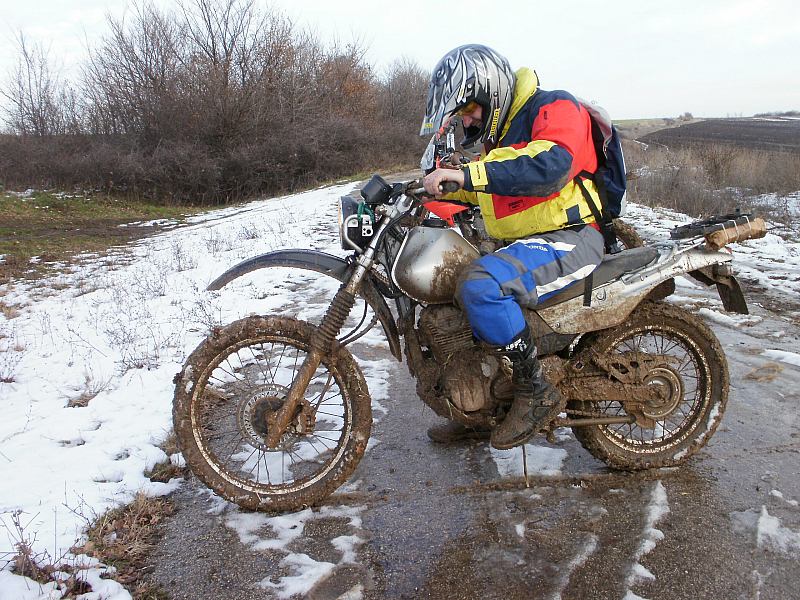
(273, 413)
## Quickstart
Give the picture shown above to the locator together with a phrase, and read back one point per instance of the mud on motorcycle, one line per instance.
(273, 413)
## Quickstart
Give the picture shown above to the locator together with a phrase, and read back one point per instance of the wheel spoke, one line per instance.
(238, 390)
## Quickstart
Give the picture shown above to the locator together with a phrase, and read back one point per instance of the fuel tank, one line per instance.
(429, 263)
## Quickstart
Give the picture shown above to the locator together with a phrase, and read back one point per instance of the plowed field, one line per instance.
(763, 133)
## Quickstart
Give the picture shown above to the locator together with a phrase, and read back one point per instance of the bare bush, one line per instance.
(40, 104)
(90, 389)
(707, 179)
(12, 351)
(215, 102)
(182, 258)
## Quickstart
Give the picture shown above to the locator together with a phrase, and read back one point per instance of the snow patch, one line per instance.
(778, 494)
(657, 509)
(727, 320)
(790, 358)
(262, 533)
(542, 460)
(772, 535)
(589, 547)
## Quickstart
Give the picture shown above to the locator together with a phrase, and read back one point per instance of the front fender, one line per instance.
(326, 264)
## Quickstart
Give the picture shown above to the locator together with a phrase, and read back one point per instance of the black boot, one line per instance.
(536, 402)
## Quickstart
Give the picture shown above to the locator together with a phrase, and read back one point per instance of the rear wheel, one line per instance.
(689, 364)
(235, 380)
(627, 235)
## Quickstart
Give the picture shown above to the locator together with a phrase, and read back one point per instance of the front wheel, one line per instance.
(687, 361)
(231, 384)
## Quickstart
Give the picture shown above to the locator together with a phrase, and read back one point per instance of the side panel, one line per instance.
(612, 302)
(319, 262)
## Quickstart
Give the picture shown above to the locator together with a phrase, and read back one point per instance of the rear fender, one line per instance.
(730, 292)
(326, 264)
(611, 303)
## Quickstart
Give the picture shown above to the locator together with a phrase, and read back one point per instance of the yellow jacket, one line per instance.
(525, 185)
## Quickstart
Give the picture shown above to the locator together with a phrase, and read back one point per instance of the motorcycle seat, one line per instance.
(612, 267)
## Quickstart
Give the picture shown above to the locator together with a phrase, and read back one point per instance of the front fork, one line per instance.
(332, 323)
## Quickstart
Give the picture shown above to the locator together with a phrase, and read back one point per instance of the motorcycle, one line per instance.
(273, 413)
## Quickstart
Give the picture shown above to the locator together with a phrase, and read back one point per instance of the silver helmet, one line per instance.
(471, 73)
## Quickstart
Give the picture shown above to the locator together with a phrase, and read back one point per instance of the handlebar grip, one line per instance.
(448, 187)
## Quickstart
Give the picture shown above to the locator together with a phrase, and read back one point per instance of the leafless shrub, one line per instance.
(219, 101)
(206, 312)
(12, 351)
(248, 231)
(56, 572)
(132, 330)
(215, 243)
(708, 179)
(119, 539)
(182, 259)
(91, 388)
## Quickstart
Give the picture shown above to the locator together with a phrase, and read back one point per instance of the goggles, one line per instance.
(467, 109)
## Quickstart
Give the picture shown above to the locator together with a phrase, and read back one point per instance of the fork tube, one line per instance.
(332, 324)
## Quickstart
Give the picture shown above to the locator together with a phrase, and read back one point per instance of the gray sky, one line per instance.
(638, 59)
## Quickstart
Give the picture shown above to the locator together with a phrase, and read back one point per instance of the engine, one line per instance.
(465, 370)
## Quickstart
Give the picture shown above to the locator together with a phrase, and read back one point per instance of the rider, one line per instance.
(533, 144)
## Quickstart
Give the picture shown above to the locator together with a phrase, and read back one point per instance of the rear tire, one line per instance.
(695, 370)
(627, 235)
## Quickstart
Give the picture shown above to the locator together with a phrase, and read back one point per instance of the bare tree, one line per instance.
(131, 77)
(403, 91)
(213, 101)
(34, 92)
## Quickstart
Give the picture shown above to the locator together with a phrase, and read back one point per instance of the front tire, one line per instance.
(693, 366)
(228, 387)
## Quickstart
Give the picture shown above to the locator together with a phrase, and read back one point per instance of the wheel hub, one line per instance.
(671, 388)
(253, 413)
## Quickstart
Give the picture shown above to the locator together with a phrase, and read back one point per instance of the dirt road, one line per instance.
(419, 520)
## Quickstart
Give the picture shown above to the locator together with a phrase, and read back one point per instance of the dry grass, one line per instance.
(123, 537)
(708, 179)
(41, 566)
(9, 312)
(766, 373)
(120, 538)
(91, 388)
(164, 471)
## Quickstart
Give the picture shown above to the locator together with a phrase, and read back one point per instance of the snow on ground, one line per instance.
(589, 547)
(791, 358)
(114, 329)
(261, 532)
(542, 460)
(657, 509)
(771, 534)
(773, 262)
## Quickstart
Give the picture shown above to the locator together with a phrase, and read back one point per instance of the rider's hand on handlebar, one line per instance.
(433, 181)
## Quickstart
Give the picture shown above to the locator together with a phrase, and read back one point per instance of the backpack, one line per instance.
(610, 176)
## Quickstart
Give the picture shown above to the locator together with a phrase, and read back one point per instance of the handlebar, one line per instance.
(446, 187)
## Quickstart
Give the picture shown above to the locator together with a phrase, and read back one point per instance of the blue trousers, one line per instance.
(495, 287)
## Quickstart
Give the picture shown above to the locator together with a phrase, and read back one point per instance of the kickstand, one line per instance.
(525, 466)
